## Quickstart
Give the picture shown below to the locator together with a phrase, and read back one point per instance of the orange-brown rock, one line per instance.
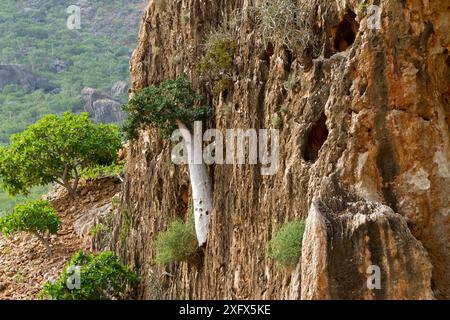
(362, 250)
(384, 101)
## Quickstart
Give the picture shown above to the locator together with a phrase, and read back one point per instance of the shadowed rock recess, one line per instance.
(364, 155)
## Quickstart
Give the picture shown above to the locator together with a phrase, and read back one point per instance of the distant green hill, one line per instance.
(34, 35)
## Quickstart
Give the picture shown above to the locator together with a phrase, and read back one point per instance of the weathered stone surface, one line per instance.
(119, 88)
(371, 121)
(85, 222)
(345, 244)
(101, 107)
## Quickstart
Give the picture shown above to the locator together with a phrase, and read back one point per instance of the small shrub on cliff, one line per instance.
(185, 18)
(291, 83)
(284, 110)
(286, 245)
(35, 217)
(178, 243)
(99, 229)
(220, 49)
(289, 21)
(156, 50)
(364, 6)
(126, 225)
(55, 149)
(277, 121)
(92, 277)
(102, 171)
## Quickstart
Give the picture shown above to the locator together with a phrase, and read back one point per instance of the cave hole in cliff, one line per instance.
(346, 32)
(289, 60)
(267, 53)
(316, 139)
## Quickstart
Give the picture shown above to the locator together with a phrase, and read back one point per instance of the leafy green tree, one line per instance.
(55, 149)
(101, 277)
(35, 217)
(171, 105)
(164, 106)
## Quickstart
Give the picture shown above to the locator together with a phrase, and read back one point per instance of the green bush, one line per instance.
(163, 106)
(286, 245)
(224, 84)
(102, 171)
(219, 55)
(284, 109)
(220, 49)
(178, 243)
(35, 217)
(102, 277)
(364, 6)
(185, 18)
(99, 229)
(126, 225)
(55, 149)
(277, 121)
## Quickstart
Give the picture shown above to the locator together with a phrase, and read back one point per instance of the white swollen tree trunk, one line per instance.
(201, 185)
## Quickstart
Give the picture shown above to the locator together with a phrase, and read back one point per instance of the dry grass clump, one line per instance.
(290, 21)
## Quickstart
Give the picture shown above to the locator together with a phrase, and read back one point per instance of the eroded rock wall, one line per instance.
(362, 250)
(366, 121)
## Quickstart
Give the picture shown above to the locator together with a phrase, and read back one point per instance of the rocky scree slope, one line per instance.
(24, 265)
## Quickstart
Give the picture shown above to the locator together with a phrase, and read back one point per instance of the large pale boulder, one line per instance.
(102, 107)
(362, 250)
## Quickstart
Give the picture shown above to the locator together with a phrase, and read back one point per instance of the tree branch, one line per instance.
(45, 242)
(77, 179)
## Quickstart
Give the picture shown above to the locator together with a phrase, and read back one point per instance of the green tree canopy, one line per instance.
(54, 149)
(162, 106)
(35, 217)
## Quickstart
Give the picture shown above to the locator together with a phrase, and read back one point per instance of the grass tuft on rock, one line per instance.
(177, 244)
(286, 245)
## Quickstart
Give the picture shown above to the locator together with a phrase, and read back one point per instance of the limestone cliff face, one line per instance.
(364, 155)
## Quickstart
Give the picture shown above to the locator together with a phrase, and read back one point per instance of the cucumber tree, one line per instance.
(175, 105)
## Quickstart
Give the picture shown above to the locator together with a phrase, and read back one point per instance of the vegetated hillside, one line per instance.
(24, 264)
(364, 127)
(55, 63)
